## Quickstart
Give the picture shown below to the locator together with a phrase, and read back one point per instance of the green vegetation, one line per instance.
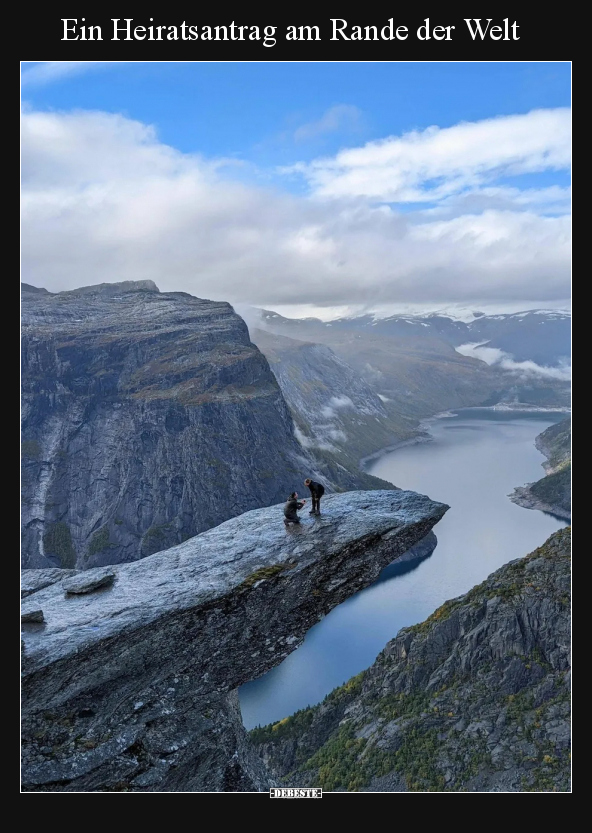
(426, 746)
(155, 538)
(518, 705)
(439, 615)
(514, 583)
(289, 727)
(298, 723)
(349, 763)
(555, 442)
(394, 706)
(99, 541)
(416, 760)
(266, 573)
(469, 756)
(346, 691)
(57, 540)
(555, 489)
(338, 761)
(549, 775)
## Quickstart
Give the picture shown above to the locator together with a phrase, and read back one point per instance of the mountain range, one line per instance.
(362, 384)
(148, 417)
(158, 428)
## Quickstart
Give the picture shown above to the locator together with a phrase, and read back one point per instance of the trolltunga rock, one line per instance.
(135, 687)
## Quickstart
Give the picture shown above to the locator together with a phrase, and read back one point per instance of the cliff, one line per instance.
(474, 699)
(552, 493)
(335, 410)
(148, 417)
(130, 672)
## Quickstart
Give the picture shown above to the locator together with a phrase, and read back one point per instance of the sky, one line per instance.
(319, 188)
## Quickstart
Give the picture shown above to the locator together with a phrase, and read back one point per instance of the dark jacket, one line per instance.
(316, 489)
(291, 508)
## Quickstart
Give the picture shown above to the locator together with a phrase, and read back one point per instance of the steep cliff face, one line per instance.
(132, 685)
(334, 408)
(147, 418)
(552, 493)
(476, 698)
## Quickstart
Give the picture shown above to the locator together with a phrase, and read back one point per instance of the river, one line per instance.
(476, 458)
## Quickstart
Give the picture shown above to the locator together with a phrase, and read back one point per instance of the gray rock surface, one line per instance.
(334, 408)
(551, 493)
(134, 687)
(88, 582)
(148, 417)
(34, 580)
(32, 615)
(474, 699)
(422, 549)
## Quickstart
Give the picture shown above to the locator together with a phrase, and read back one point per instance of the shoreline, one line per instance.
(519, 406)
(376, 455)
(522, 496)
(423, 435)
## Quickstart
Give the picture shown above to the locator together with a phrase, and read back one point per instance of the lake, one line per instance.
(476, 458)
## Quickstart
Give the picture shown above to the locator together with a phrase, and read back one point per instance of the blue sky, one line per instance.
(329, 185)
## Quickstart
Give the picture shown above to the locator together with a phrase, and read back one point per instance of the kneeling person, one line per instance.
(291, 509)
(317, 490)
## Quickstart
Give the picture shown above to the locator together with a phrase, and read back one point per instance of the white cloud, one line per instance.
(551, 200)
(104, 200)
(46, 72)
(432, 164)
(499, 358)
(336, 403)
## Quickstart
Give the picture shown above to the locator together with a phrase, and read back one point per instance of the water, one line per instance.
(476, 459)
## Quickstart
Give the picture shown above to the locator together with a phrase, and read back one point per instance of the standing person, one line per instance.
(317, 490)
(291, 509)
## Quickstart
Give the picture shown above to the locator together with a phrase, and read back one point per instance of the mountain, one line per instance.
(474, 699)
(130, 673)
(552, 493)
(148, 417)
(411, 361)
(542, 336)
(335, 410)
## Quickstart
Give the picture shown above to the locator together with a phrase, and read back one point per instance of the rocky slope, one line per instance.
(334, 408)
(131, 686)
(147, 418)
(476, 698)
(552, 493)
(411, 361)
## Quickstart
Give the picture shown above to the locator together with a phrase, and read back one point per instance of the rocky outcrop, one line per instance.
(555, 443)
(148, 417)
(132, 687)
(551, 493)
(474, 699)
